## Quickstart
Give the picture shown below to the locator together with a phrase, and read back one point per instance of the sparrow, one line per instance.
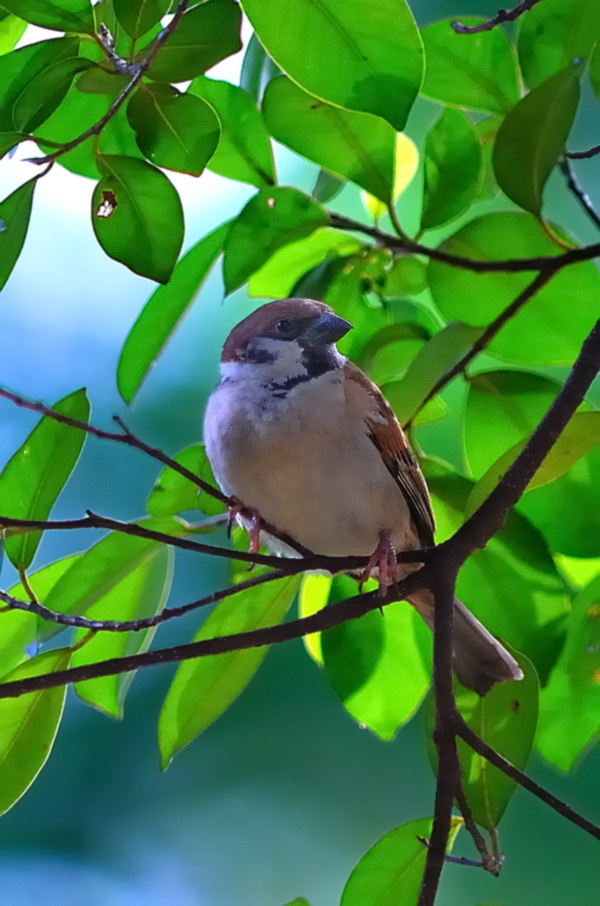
(300, 437)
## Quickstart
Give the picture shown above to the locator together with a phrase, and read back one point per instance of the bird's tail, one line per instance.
(480, 660)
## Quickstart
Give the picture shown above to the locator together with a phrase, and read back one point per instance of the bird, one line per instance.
(303, 441)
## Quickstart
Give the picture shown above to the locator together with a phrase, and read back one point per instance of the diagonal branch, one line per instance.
(582, 155)
(503, 15)
(584, 200)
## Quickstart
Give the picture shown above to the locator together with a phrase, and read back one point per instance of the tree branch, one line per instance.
(503, 15)
(582, 155)
(583, 199)
(138, 71)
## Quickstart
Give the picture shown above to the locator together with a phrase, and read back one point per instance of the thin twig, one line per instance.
(503, 15)
(506, 265)
(138, 71)
(455, 860)
(489, 861)
(583, 155)
(583, 199)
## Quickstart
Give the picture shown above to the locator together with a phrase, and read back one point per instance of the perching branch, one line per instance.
(138, 70)
(503, 15)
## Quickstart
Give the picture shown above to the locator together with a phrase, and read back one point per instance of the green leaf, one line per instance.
(271, 219)
(355, 146)
(533, 136)
(595, 71)
(477, 71)
(205, 687)
(95, 573)
(244, 151)
(390, 873)
(28, 727)
(332, 48)
(173, 493)
(142, 593)
(506, 718)
(15, 212)
(575, 493)
(512, 585)
(11, 29)
(174, 130)
(580, 436)
(378, 665)
(554, 34)
(313, 596)
(8, 140)
(164, 310)
(40, 98)
(282, 271)
(452, 169)
(406, 277)
(327, 186)
(61, 15)
(206, 34)
(19, 69)
(558, 317)
(138, 16)
(137, 216)
(570, 703)
(35, 475)
(434, 359)
(20, 628)
(502, 408)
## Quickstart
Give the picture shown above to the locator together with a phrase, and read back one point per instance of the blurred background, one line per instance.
(284, 793)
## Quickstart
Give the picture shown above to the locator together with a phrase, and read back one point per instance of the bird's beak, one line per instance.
(327, 328)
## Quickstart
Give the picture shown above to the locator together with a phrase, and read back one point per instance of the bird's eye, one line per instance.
(285, 329)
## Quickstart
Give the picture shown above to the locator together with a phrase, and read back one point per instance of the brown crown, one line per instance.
(261, 323)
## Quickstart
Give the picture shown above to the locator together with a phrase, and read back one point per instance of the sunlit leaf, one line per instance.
(553, 34)
(477, 71)
(137, 216)
(406, 162)
(271, 219)
(390, 873)
(11, 29)
(61, 15)
(137, 16)
(15, 212)
(205, 687)
(36, 474)
(313, 596)
(533, 136)
(570, 703)
(141, 593)
(561, 313)
(174, 493)
(335, 50)
(28, 726)
(244, 151)
(174, 130)
(357, 146)
(164, 310)
(452, 165)
(206, 34)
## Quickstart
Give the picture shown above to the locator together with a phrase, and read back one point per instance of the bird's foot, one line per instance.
(251, 521)
(383, 559)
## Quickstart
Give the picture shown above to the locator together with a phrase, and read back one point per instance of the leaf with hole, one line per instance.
(173, 130)
(137, 216)
(35, 475)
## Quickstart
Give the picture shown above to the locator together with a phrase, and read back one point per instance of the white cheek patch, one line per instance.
(281, 359)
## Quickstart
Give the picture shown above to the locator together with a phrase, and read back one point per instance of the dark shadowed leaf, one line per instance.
(203, 688)
(164, 310)
(378, 665)
(390, 873)
(137, 216)
(533, 136)
(558, 317)
(174, 493)
(36, 474)
(8, 140)
(141, 593)
(452, 165)
(570, 703)
(207, 33)
(138, 16)
(244, 151)
(270, 220)
(327, 186)
(477, 71)
(15, 212)
(355, 146)
(553, 34)
(61, 15)
(338, 53)
(174, 130)
(44, 93)
(435, 358)
(28, 726)
(20, 69)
